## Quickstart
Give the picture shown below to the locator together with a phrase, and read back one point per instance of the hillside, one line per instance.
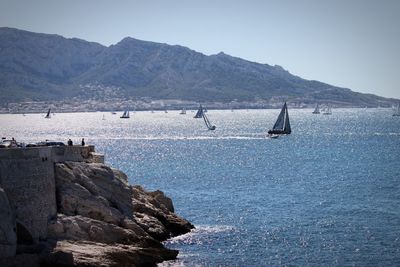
(38, 67)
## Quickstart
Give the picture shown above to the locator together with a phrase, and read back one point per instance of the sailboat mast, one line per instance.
(206, 121)
(284, 118)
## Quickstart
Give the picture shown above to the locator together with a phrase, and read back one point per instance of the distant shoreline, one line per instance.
(42, 107)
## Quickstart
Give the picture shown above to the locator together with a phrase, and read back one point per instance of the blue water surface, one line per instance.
(326, 195)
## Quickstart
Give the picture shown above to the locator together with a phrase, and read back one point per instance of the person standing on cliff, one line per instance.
(83, 141)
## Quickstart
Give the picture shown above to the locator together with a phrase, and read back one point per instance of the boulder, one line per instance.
(93, 190)
(90, 254)
(84, 228)
(152, 226)
(110, 184)
(161, 201)
(75, 199)
(153, 213)
(8, 235)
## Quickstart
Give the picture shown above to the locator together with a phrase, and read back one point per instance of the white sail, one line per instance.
(397, 111)
(327, 110)
(316, 110)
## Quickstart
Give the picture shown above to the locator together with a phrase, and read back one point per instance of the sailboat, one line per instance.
(48, 115)
(199, 113)
(208, 123)
(125, 115)
(282, 124)
(327, 110)
(316, 110)
(183, 111)
(397, 111)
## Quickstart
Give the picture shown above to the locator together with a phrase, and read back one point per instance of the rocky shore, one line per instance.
(101, 221)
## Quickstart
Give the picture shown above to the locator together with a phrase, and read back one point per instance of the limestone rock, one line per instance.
(75, 199)
(83, 228)
(93, 190)
(152, 226)
(120, 176)
(90, 254)
(98, 192)
(8, 236)
(158, 208)
(97, 205)
(161, 201)
(95, 218)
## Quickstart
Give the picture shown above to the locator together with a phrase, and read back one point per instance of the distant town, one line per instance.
(93, 105)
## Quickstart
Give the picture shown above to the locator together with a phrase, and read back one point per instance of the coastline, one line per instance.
(119, 105)
(62, 206)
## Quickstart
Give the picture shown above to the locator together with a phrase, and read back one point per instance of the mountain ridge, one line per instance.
(45, 67)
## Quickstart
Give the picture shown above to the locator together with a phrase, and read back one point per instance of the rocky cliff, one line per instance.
(101, 221)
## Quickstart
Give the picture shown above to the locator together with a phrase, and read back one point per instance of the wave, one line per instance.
(200, 234)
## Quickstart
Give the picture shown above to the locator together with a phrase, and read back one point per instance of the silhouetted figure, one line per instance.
(13, 143)
(69, 142)
(83, 141)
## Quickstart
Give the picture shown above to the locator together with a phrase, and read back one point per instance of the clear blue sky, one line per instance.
(348, 43)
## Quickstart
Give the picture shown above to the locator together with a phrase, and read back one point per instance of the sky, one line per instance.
(348, 43)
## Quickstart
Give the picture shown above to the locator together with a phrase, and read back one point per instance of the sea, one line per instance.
(326, 195)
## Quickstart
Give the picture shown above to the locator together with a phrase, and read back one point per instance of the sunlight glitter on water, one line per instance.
(326, 195)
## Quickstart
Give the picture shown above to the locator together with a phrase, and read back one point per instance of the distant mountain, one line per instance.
(41, 66)
(38, 67)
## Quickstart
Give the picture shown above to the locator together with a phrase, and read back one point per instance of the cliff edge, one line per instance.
(100, 220)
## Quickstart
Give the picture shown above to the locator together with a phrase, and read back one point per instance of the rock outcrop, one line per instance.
(101, 221)
(96, 254)
(154, 212)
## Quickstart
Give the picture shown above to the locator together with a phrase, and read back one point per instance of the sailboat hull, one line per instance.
(279, 132)
(125, 115)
